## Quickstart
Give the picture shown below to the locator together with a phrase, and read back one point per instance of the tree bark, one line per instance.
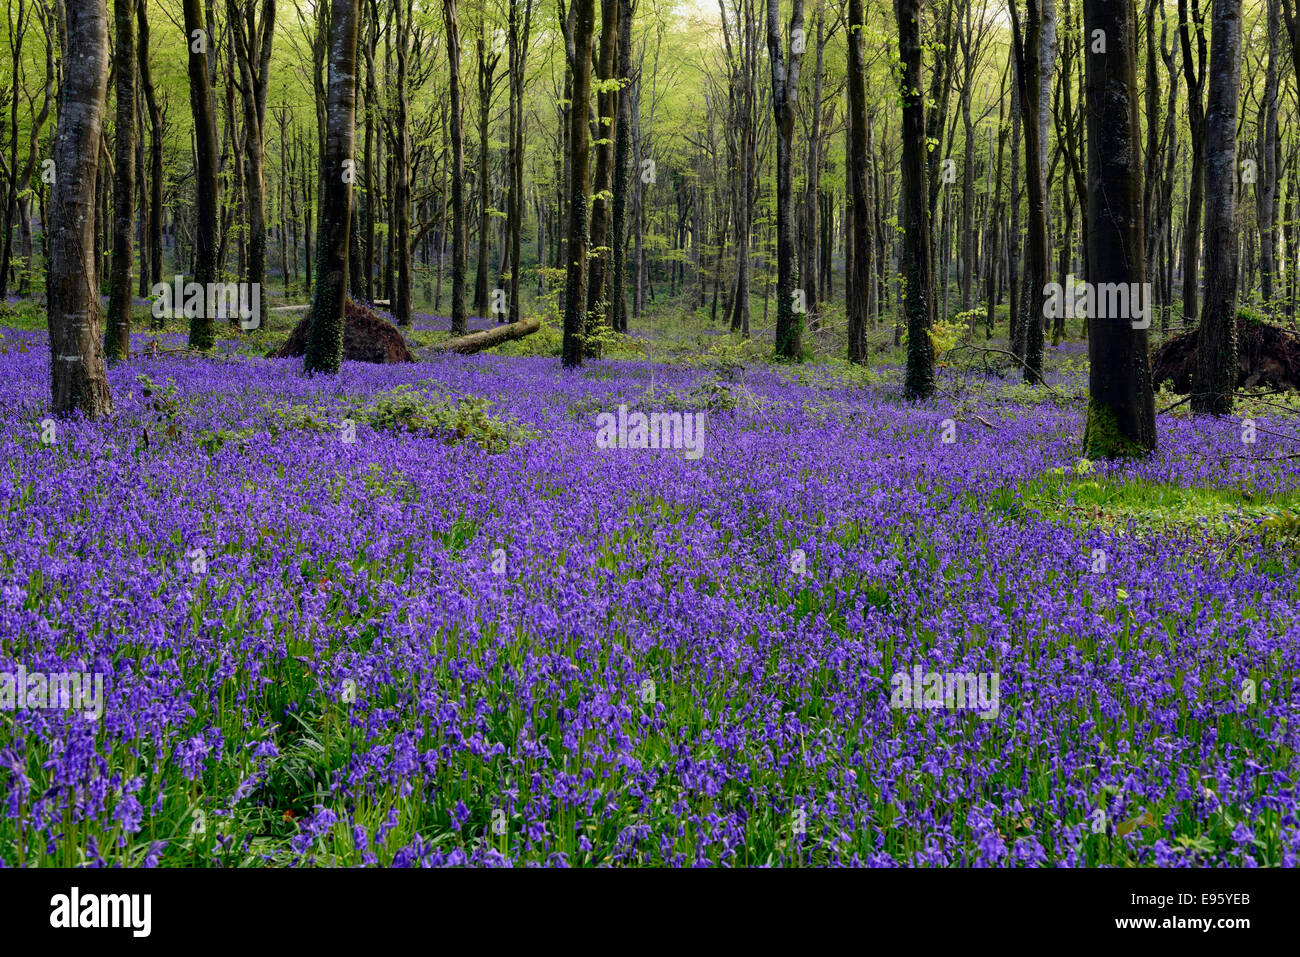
(1029, 50)
(1121, 406)
(622, 152)
(1215, 376)
(1194, 71)
(117, 332)
(519, 36)
(487, 63)
(1266, 188)
(919, 378)
(602, 189)
(251, 37)
(575, 291)
(859, 276)
(78, 379)
(401, 299)
(478, 341)
(207, 227)
(785, 96)
(459, 324)
(325, 332)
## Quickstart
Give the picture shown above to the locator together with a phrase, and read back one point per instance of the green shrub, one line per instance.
(452, 419)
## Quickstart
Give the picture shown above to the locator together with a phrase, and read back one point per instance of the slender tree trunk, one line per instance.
(207, 227)
(622, 152)
(1193, 69)
(785, 95)
(1215, 376)
(459, 325)
(251, 38)
(486, 70)
(518, 117)
(812, 189)
(1029, 72)
(1266, 188)
(919, 380)
(575, 298)
(859, 275)
(402, 167)
(602, 188)
(117, 332)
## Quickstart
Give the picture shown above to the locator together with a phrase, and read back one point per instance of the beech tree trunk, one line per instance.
(78, 379)
(622, 153)
(1029, 49)
(602, 188)
(575, 252)
(1267, 159)
(325, 332)
(203, 108)
(859, 276)
(785, 96)
(117, 333)
(402, 167)
(487, 63)
(459, 325)
(518, 65)
(919, 378)
(1194, 70)
(1215, 376)
(251, 37)
(154, 219)
(1121, 407)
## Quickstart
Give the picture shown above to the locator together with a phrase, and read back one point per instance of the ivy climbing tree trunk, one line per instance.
(919, 378)
(325, 329)
(602, 188)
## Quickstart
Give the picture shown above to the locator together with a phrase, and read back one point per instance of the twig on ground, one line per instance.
(1004, 352)
(980, 418)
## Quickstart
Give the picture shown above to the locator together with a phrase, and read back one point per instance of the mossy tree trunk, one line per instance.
(1121, 418)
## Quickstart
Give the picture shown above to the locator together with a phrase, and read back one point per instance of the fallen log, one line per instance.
(478, 341)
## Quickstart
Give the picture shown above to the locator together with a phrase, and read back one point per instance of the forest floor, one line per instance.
(416, 614)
